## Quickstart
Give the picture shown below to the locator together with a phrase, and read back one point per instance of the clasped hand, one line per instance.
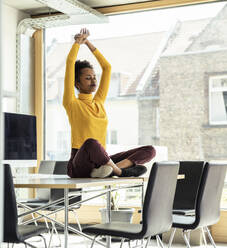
(81, 38)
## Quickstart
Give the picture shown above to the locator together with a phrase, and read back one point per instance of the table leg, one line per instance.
(108, 206)
(66, 191)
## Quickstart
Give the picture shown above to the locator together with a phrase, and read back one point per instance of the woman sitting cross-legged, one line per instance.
(88, 120)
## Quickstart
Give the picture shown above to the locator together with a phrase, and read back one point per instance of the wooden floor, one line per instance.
(80, 242)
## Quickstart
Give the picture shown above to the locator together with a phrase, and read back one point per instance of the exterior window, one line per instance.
(157, 123)
(141, 105)
(218, 100)
(113, 137)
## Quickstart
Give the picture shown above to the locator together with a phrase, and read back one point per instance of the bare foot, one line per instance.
(117, 171)
(125, 163)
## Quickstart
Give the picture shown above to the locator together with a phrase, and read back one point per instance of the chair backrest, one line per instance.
(187, 189)
(158, 202)
(61, 169)
(45, 167)
(10, 207)
(209, 195)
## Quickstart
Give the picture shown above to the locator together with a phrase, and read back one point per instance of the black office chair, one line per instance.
(61, 169)
(187, 189)
(207, 209)
(14, 233)
(42, 195)
(157, 208)
(45, 196)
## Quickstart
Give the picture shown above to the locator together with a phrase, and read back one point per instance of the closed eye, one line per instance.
(90, 78)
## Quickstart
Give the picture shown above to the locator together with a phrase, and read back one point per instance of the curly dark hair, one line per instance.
(79, 65)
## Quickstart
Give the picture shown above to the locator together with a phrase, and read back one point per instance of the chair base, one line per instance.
(186, 234)
(196, 238)
(142, 243)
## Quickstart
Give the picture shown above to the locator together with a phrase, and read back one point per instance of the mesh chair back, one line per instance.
(187, 189)
(46, 167)
(61, 169)
(10, 208)
(209, 195)
(158, 202)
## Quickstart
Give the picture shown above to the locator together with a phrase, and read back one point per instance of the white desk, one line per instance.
(66, 183)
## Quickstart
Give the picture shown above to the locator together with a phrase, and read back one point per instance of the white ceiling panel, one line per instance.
(23, 4)
(36, 7)
(31, 7)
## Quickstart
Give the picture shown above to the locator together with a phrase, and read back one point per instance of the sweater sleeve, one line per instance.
(105, 78)
(69, 92)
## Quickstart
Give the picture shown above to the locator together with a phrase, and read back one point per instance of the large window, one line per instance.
(218, 100)
(159, 93)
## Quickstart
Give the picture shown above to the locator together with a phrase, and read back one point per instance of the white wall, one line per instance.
(11, 18)
(27, 93)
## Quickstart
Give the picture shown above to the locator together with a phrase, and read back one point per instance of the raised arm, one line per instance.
(69, 92)
(106, 73)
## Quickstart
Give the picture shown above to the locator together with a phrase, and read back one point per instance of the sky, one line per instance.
(137, 23)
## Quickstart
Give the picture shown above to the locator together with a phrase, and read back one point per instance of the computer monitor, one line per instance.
(20, 144)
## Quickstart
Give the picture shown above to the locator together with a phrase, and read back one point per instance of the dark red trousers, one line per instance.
(92, 155)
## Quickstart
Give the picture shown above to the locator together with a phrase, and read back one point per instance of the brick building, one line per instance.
(191, 99)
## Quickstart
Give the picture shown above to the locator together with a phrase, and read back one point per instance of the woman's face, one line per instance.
(88, 83)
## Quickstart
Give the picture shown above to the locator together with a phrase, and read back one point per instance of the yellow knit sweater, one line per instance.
(87, 115)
